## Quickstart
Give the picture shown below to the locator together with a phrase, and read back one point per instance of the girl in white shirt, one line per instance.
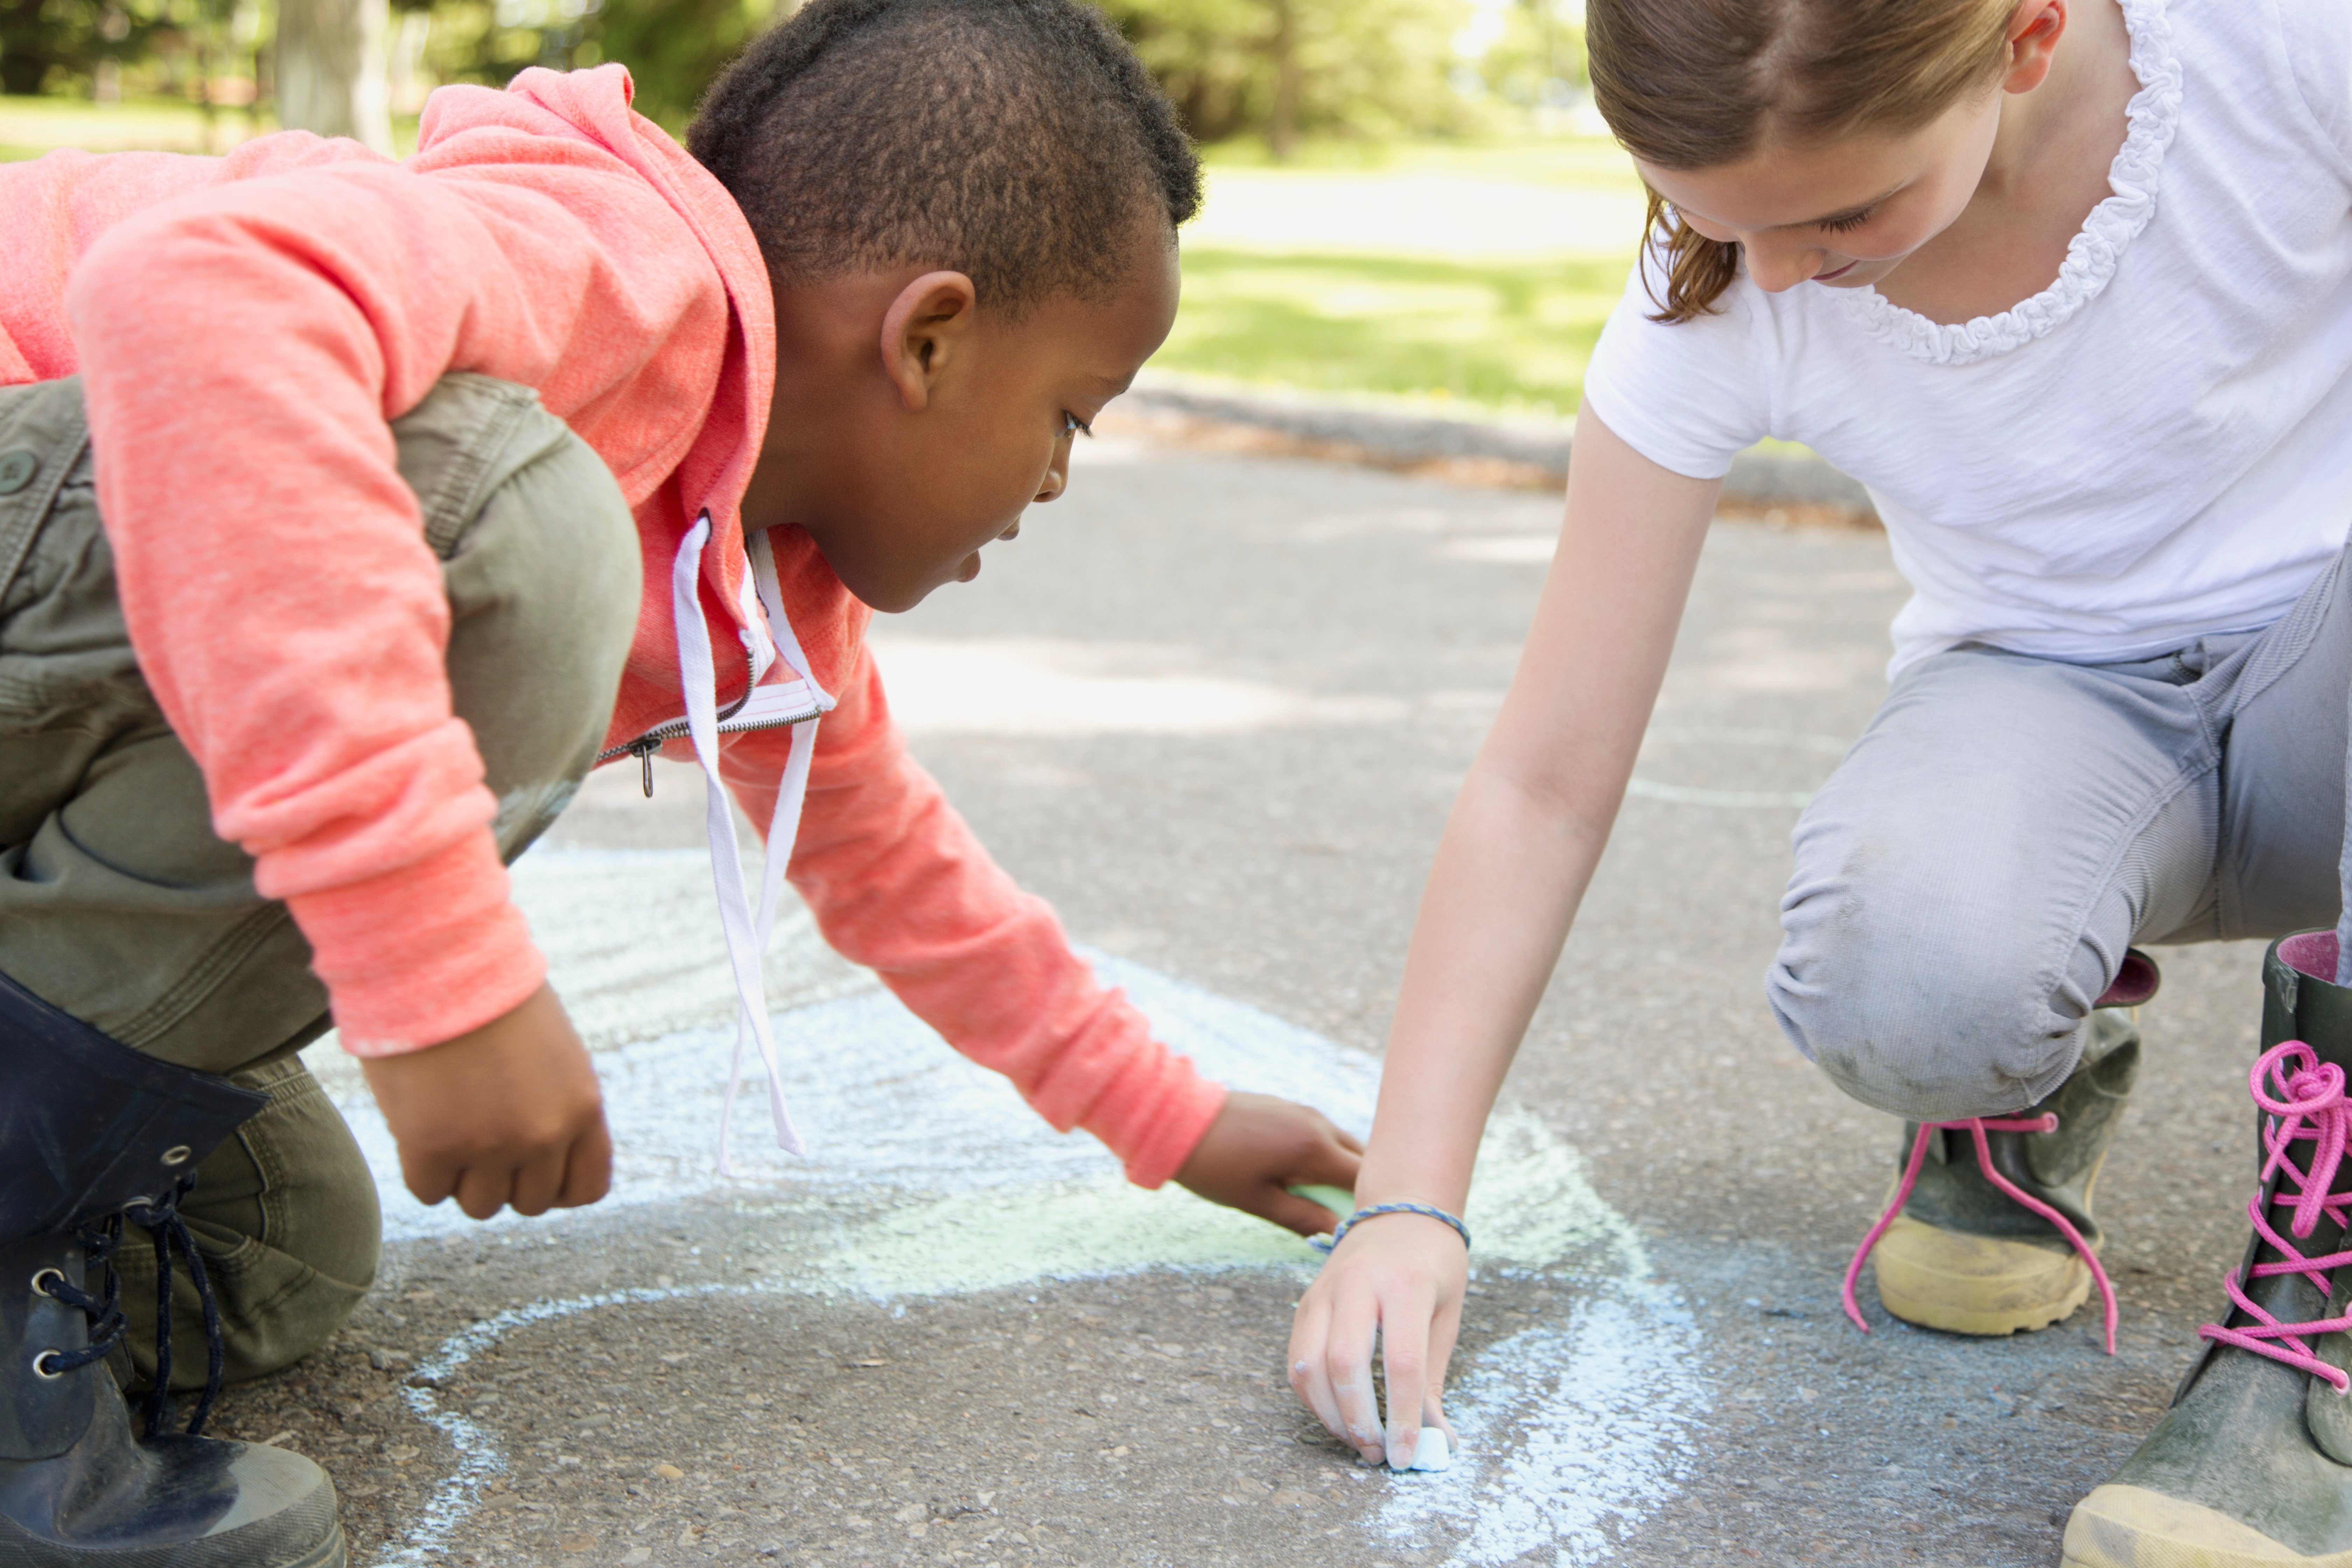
(2068, 284)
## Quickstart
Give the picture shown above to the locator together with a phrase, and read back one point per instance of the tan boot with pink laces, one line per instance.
(1989, 1228)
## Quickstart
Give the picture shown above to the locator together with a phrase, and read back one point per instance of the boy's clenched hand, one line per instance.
(508, 1114)
(1258, 1147)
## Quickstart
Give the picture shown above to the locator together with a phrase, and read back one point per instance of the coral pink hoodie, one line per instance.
(245, 327)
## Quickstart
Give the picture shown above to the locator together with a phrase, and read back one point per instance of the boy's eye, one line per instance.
(1074, 426)
(1851, 222)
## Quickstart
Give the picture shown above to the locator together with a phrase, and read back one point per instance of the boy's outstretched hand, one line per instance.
(509, 1114)
(1258, 1148)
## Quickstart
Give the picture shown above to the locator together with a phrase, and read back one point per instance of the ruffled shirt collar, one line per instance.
(2093, 255)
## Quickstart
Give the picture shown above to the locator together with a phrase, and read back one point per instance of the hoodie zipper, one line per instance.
(644, 747)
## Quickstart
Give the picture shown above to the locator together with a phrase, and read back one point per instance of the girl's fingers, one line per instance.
(1307, 1335)
(1444, 1328)
(1405, 1362)
(1348, 1364)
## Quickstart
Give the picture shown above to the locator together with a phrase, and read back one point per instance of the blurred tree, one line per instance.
(1284, 68)
(673, 48)
(1535, 57)
(331, 68)
(42, 40)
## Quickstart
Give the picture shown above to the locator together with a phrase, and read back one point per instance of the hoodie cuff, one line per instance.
(1155, 1114)
(421, 955)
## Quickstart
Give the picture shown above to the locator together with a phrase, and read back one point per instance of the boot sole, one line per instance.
(333, 1553)
(2131, 1527)
(1977, 1285)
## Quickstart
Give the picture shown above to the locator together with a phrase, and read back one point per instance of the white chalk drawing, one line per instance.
(1578, 1433)
(1571, 1433)
(1718, 735)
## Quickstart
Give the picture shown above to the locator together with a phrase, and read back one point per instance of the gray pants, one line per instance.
(1968, 881)
(120, 906)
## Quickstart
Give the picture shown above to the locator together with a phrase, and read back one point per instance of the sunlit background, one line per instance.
(1409, 199)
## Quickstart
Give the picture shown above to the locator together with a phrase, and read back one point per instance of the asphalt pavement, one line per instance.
(1215, 708)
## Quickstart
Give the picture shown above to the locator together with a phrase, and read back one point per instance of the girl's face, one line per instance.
(1843, 213)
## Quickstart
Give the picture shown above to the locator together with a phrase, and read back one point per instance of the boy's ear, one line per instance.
(926, 327)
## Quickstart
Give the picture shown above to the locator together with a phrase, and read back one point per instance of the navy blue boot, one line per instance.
(94, 1138)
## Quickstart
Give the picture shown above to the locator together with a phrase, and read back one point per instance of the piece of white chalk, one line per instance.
(1433, 1452)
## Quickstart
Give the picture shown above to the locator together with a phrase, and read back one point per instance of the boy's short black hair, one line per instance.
(1018, 141)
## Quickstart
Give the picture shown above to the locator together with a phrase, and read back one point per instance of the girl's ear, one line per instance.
(2034, 29)
(926, 327)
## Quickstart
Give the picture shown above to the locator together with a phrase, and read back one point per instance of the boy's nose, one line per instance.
(1057, 478)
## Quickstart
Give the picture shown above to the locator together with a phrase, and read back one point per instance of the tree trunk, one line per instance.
(1281, 129)
(330, 69)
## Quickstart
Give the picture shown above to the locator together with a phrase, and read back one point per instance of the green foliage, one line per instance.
(673, 48)
(1364, 67)
(38, 36)
(1536, 58)
(171, 45)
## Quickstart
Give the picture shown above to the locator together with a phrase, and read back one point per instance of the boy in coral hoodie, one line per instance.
(350, 510)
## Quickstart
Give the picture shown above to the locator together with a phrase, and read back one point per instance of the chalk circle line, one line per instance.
(938, 1181)
(1732, 735)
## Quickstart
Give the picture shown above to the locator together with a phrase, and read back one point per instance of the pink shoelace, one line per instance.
(2309, 1107)
(1977, 1126)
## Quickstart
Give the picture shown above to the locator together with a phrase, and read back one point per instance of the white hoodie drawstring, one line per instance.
(769, 638)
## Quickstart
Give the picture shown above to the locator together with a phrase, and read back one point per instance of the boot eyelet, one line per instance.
(41, 1369)
(177, 1154)
(40, 1276)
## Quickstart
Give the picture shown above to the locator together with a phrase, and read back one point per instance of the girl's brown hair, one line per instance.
(1695, 84)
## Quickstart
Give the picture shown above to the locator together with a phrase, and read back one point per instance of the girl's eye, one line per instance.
(1074, 426)
(1851, 222)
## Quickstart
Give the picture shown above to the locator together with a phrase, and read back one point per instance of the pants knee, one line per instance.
(285, 1216)
(543, 569)
(1932, 1040)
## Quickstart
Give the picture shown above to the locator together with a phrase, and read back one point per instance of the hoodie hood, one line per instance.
(710, 476)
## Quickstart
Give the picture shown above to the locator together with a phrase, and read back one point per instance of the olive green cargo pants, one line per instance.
(120, 905)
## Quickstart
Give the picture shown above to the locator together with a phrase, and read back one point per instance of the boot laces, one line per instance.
(2308, 1107)
(1977, 1126)
(100, 1240)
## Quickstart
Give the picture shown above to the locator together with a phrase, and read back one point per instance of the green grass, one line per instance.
(1555, 160)
(1512, 336)
(30, 127)
(1422, 284)
(1373, 310)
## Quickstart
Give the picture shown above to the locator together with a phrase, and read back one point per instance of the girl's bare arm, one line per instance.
(1519, 850)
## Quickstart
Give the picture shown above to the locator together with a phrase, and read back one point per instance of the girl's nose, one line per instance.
(1777, 268)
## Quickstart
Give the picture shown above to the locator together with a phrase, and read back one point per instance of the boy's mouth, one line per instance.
(1833, 277)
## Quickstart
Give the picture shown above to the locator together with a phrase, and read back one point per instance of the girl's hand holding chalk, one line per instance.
(1401, 1276)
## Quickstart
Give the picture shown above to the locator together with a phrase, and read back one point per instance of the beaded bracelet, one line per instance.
(1324, 1244)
